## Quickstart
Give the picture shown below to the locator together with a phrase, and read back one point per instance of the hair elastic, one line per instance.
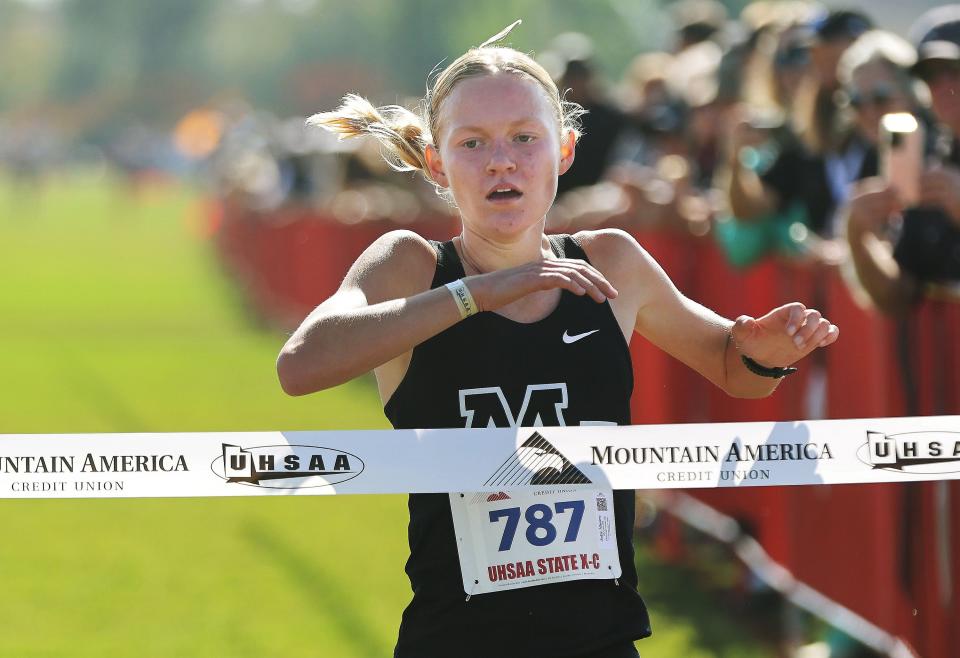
(765, 371)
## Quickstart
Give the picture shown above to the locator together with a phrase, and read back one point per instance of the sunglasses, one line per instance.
(879, 96)
(792, 57)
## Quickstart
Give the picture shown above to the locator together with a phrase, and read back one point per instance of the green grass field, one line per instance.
(115, 316)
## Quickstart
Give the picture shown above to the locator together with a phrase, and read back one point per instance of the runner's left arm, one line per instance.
(707, 342)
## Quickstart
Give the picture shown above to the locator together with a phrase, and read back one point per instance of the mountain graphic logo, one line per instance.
(500, 495)
(536, 462)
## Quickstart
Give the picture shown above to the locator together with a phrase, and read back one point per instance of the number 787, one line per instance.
(540, 529)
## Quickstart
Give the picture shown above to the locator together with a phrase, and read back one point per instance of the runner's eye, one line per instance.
(470, 143)
(525, 138)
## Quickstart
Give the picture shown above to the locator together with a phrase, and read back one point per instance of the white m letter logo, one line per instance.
(543, 405)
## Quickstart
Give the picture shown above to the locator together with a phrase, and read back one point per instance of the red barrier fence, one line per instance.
(891, 553)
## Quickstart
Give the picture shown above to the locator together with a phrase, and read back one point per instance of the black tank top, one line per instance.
(523, 368)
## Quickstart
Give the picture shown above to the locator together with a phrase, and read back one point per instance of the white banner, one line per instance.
(491, 460)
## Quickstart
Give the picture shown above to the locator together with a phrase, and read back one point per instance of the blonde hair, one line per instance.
(405, 135)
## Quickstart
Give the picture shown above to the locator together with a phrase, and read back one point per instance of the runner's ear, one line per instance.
(568, 146)
(435, 165)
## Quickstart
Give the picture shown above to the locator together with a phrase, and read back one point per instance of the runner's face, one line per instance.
(499, 152)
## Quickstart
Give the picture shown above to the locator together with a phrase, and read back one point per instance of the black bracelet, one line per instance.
(764, 371)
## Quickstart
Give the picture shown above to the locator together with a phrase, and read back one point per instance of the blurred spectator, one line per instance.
(781, 55)
(664, 161)
(830, 34)
(895, 264)
(266, 165)
(571, 58)
(696, 78)
(876, 79)
(245, 170)
(827, 35)
(805, 175)
(29, 149)
(707, 82)
(764, 209)
(657, 114)
(371, 190)
(763, 14)
(696, 21)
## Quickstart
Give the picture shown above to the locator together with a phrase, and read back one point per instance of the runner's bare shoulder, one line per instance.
(398, 264)
(638, 278)
(614, 252)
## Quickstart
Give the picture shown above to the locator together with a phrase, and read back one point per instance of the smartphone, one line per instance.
(901, 155)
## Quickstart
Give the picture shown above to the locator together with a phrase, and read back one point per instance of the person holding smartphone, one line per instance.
(895, 264)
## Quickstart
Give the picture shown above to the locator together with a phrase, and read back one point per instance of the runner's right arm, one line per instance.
(385, 307)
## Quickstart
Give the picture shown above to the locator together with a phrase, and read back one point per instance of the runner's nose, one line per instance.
(500, 160)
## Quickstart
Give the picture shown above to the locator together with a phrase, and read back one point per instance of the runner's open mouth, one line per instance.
(504, 193)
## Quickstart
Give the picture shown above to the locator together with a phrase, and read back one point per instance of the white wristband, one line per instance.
(461, 295)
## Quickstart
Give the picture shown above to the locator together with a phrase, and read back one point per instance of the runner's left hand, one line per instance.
(784, 335)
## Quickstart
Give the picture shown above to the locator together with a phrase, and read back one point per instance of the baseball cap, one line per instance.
(698, 20)
(836, 24)
(936, 35)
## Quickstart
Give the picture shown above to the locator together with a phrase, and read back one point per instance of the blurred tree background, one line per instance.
(91, 61)
(87, 65)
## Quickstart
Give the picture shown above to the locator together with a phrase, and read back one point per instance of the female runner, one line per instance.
(506, 326)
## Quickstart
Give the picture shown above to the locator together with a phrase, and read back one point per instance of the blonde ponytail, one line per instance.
(400, 131)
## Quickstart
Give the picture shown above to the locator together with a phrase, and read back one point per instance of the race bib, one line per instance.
(513, 539)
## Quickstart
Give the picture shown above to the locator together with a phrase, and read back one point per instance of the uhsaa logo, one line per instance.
(286, 466)
(912, 452)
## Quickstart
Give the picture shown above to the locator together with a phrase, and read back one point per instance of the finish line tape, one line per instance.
(483, 460)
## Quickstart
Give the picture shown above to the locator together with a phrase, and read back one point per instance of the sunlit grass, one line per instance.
(116, 317)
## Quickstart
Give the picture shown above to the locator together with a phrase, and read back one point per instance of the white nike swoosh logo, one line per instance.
(573, 339)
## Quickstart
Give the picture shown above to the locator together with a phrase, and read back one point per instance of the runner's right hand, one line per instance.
(496, 289)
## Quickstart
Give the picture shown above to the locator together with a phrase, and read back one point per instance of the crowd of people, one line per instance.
(767, 136)
(759, 132)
